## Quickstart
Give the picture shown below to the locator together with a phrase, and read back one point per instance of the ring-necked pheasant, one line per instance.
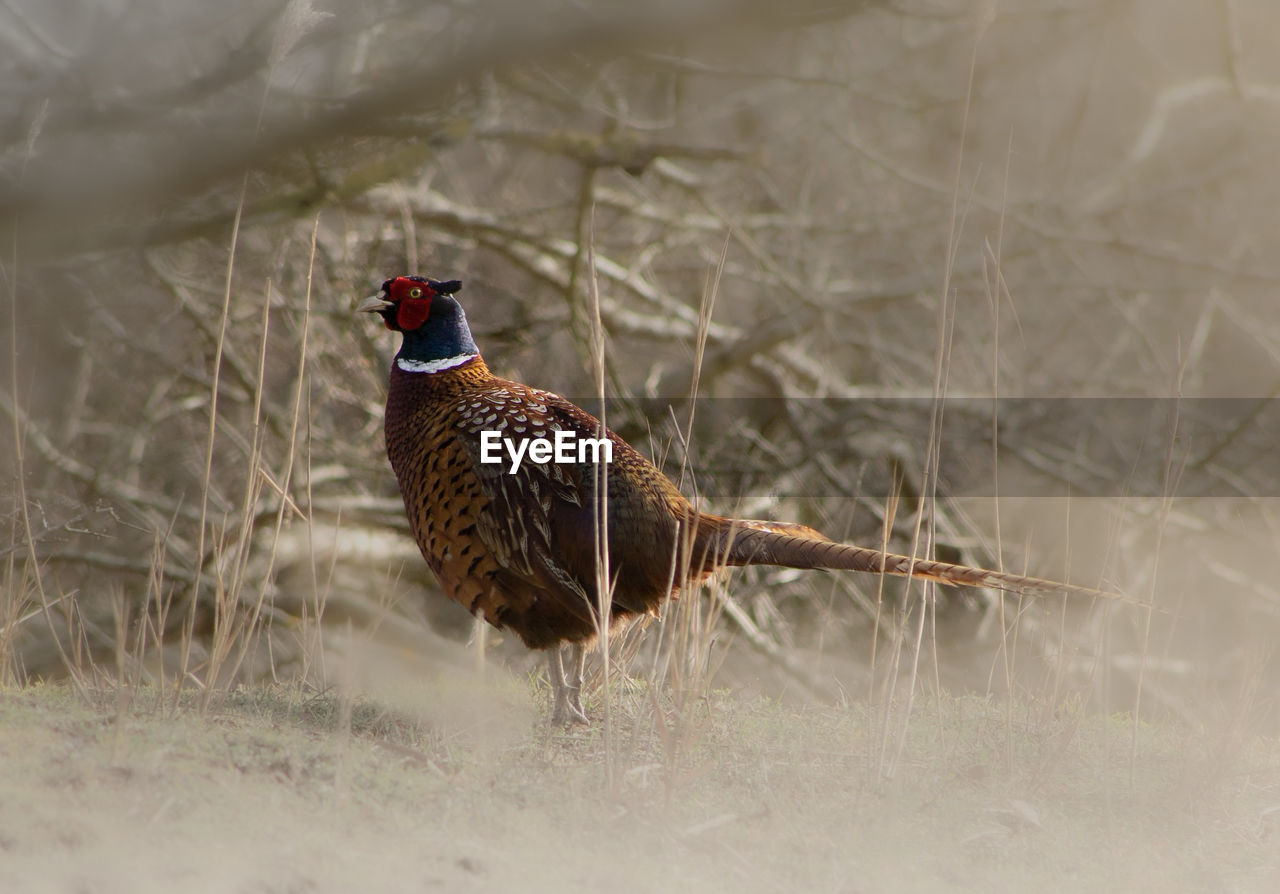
(521, 548)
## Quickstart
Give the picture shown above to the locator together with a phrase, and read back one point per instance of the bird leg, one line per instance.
(566, 693)
(576, 671)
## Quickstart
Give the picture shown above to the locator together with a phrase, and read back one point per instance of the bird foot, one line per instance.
(567, 707)
(566, 689)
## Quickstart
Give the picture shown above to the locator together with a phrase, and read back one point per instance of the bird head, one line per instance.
(405, 301)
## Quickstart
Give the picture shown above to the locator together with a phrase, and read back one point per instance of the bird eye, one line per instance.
(415, 292)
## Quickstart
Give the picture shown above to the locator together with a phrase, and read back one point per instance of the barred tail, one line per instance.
(747, 542)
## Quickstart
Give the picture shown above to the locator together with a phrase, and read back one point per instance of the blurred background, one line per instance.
(1057, 203)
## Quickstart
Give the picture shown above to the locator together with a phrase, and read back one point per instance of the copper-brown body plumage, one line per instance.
(521, 549)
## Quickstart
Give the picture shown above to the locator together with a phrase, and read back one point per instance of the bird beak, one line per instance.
(374, 303)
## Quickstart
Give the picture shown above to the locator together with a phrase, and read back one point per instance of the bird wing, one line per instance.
(542, 519)
(518, 523)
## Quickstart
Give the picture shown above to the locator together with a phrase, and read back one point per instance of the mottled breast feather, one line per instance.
(521, 549)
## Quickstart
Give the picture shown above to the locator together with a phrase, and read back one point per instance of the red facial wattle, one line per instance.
(413, 303)
(412, 313)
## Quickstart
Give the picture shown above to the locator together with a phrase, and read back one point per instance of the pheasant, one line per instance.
(516, 541)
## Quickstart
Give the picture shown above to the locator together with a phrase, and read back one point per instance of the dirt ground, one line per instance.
(276, 791)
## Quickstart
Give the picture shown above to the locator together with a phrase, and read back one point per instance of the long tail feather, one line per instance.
(748, 542)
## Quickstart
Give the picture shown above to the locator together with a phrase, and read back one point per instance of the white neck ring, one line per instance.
(433, 366)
